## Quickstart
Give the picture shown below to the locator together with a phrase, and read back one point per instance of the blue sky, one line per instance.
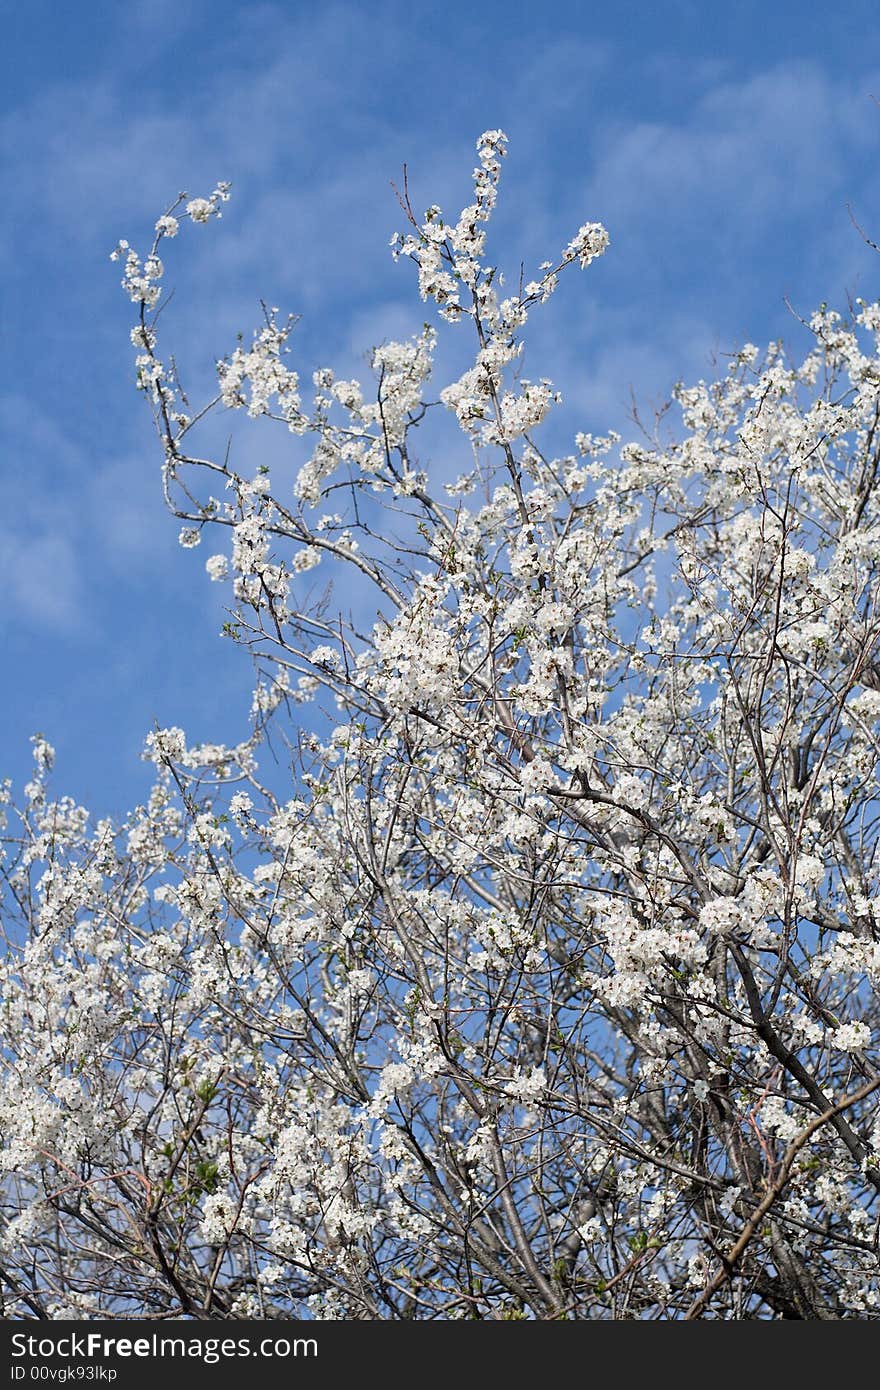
(719, 145)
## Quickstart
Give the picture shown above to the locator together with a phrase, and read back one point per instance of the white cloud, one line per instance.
(40, 578)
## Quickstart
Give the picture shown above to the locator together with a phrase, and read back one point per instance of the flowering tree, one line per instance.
(545, 987)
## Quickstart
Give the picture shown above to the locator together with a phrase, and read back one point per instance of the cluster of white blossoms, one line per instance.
(265, 374)
(453, 273)
(590, 242)
(517, 974)
(369, 427)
